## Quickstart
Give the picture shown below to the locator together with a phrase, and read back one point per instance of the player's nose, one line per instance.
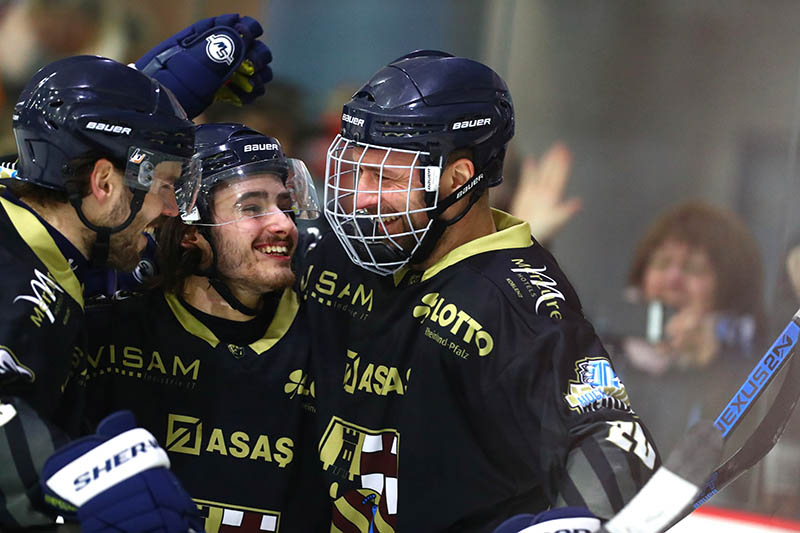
(367, 190)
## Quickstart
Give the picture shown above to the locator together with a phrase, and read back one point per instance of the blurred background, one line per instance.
(655, 155)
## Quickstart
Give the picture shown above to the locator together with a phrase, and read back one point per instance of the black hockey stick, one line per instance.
(667, 497)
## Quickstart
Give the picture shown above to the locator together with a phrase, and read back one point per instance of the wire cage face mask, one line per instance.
(175, 179)
(377, 201)
(256, 190)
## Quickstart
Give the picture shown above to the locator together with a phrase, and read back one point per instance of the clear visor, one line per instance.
(257, 190)
(175, 179)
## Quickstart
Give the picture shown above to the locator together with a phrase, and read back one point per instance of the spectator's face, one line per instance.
(681, 276)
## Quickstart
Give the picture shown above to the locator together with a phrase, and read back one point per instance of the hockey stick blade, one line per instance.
(673, 486)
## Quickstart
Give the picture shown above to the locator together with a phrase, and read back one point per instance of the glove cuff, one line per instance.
(106, 465)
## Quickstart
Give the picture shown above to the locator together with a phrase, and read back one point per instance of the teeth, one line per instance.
(387, 220)
(269, 249)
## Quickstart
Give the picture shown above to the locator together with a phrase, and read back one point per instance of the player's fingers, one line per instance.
(225, 94)
(260, 55)
(529, 176)
(228, 19)
(241, 82)
(249, 28)
(555, 166)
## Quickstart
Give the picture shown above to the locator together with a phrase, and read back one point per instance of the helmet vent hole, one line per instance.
(57, 103)
(407, 129)
(52, 124)
(364, 94)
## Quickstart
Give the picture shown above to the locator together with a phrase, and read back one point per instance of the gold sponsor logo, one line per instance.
(45, 292)
(466, 329)
(373, 379)
(185, 435)
(329, 290)
(298, 385)
(539, 286)
(135, 362)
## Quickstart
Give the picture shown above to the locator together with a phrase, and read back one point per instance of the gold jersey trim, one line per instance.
(511, 232)
(284, 316)
(39, 240)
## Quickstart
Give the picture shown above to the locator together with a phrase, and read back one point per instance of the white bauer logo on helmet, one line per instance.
(220, 48)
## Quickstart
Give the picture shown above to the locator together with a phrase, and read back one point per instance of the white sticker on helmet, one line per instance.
(432, 175)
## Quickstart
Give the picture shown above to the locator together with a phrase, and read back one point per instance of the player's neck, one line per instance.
(64, 219)
(199, 293)
(478, 222)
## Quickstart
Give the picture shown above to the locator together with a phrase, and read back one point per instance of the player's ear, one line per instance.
(458, 173)
(103, 182)
(193, 239)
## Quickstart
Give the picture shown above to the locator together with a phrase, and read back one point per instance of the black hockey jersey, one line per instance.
(453, 398)
(230, 417)
(41, 339)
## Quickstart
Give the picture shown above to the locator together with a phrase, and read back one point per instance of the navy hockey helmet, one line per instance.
(88, 107)
(435, 103)
(92, 105)
(426, 105)
(230, 154)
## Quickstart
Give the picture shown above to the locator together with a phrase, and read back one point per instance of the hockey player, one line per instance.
(213, 361)
(104, 151)
(459, 383)
(101, 148)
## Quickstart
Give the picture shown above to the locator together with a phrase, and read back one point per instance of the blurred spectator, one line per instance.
(45, 30)
(701, 265)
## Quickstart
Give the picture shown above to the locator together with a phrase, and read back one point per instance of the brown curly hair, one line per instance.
(729, 243)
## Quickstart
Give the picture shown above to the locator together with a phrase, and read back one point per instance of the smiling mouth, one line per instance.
(384, 222)
(273, 249)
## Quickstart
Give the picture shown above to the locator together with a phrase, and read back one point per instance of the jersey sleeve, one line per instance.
(26, 441)
(559, 405)
(40, 405)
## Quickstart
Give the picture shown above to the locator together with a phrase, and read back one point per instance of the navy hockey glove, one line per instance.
(118, 480)
(217, 58)
(562, 519)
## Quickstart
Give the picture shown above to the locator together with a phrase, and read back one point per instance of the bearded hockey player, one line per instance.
(214, 360)
(101, 149)
(461, 383)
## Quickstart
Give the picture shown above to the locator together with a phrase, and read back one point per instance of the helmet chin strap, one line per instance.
(98, 255)
(222, 289)
(477, 185)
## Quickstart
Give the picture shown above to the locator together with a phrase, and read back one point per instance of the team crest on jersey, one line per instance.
(236, 351)
(10, 366)
(220, 48)
(596, 387)
(365, 461)
(227, 518)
